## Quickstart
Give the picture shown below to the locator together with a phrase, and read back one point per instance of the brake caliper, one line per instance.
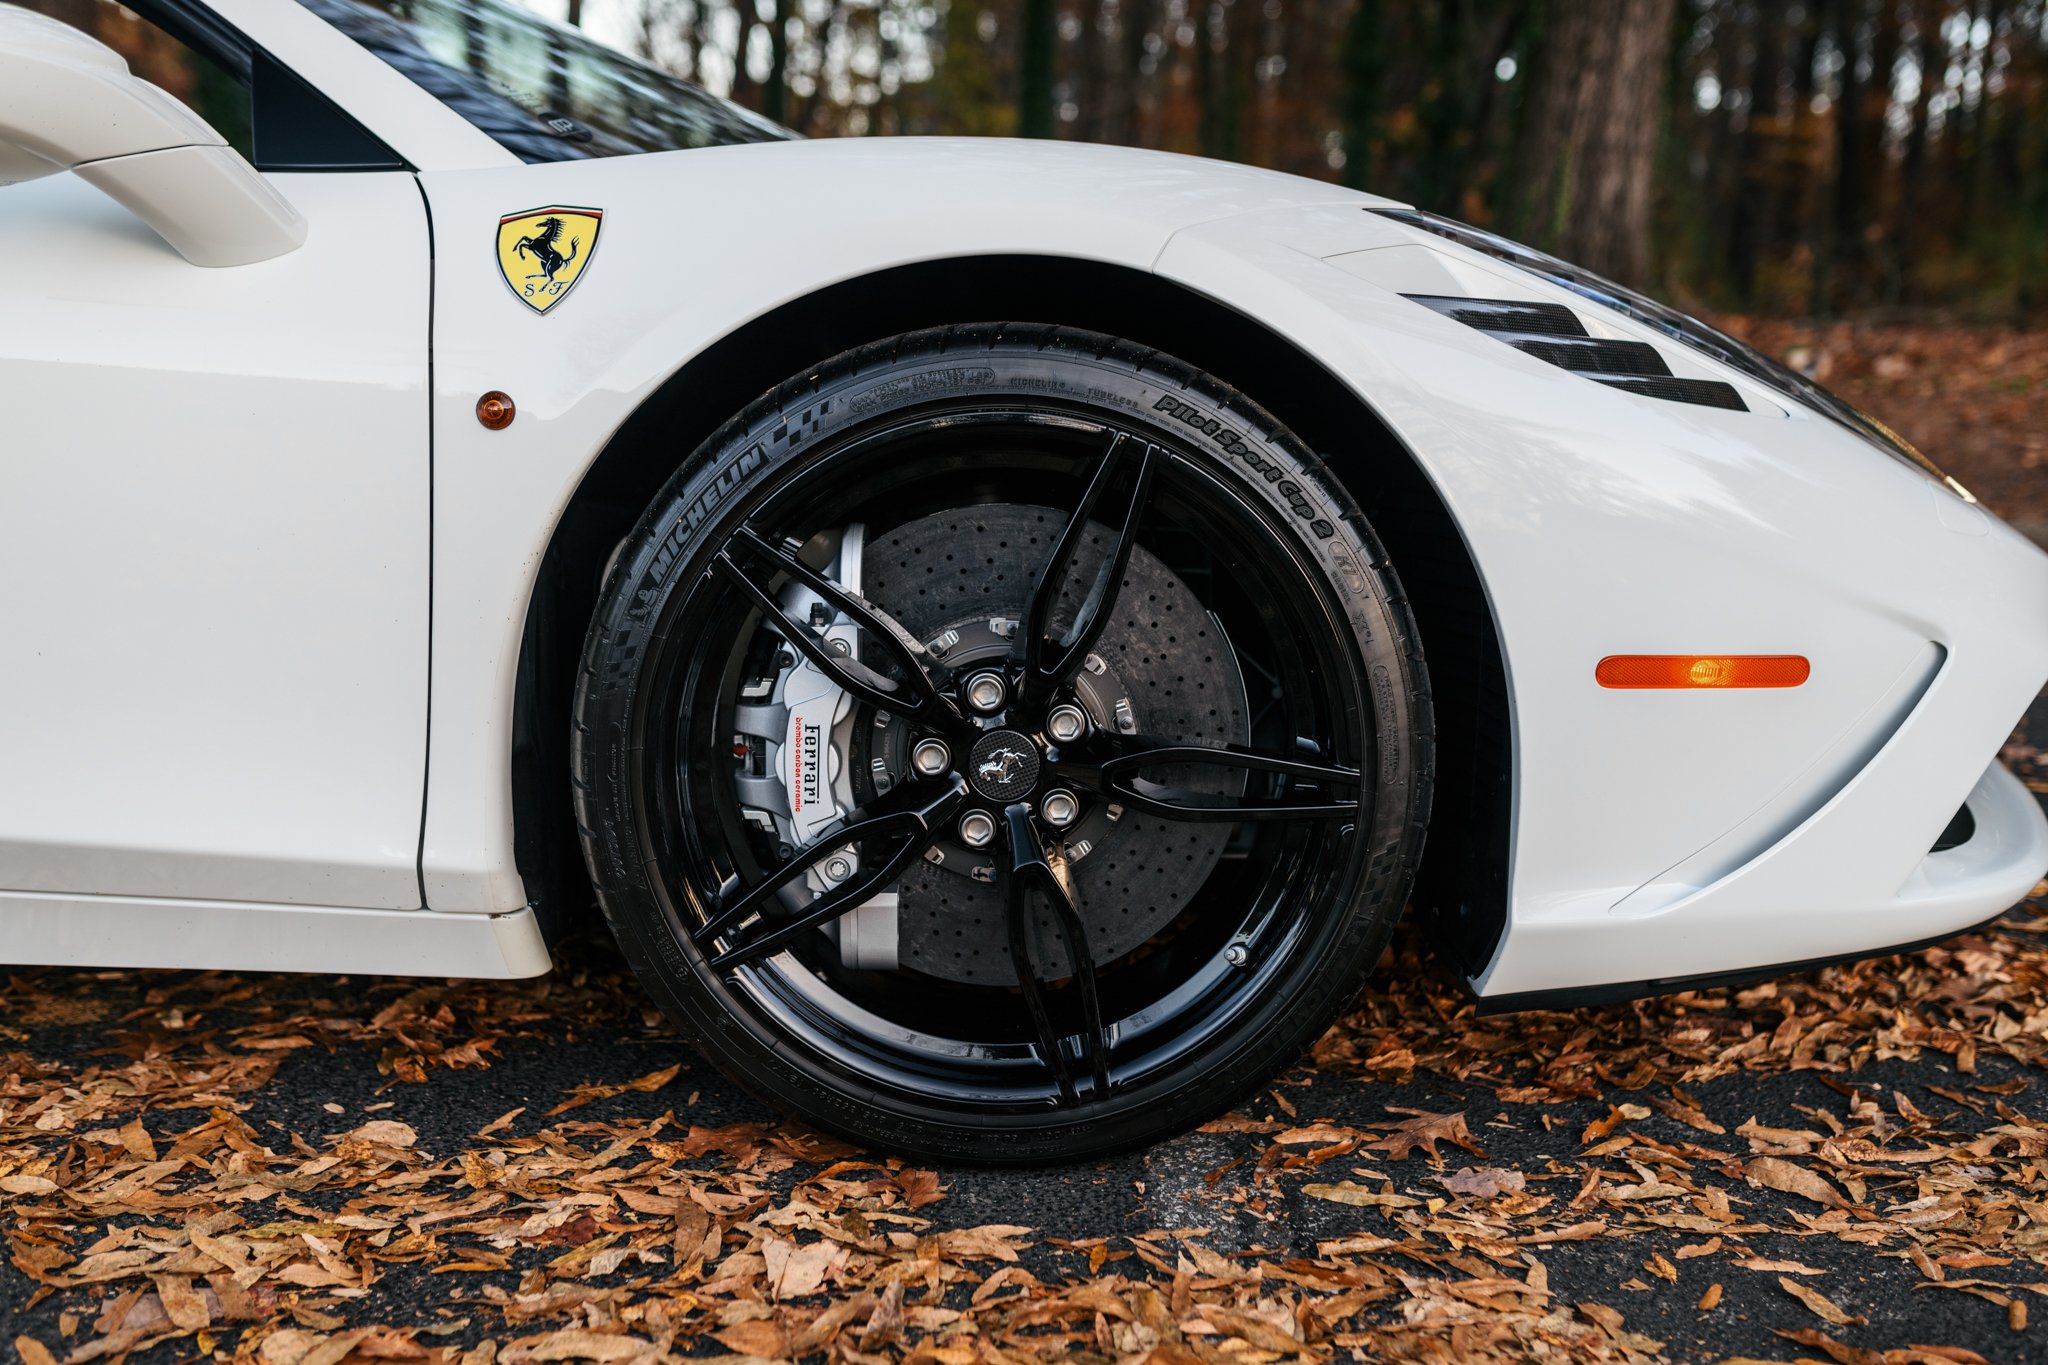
(794, 731)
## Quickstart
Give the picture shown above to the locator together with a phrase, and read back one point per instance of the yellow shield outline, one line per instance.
(527, 272)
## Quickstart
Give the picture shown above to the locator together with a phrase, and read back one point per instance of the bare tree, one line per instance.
(1591, 133)
(1037, 41)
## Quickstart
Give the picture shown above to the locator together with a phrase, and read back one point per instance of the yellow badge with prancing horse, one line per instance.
(543, 252)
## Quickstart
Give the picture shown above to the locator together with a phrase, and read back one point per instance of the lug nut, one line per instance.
(931, 757)
(1059, 808)
(977, 829)
(1066, 723)
(985, 692)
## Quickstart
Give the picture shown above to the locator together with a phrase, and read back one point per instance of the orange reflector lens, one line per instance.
(1696, 671)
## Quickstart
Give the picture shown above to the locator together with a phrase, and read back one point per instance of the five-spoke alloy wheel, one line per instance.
(1002, 744)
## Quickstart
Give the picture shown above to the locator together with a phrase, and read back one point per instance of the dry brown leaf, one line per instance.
(1784, 1176)
(185, 1308)
(1838, 1351)
(1483, 1182)
(919, 1187)
(885, 1324)
(762, 1337)
(577, 1344)
(1351, 1192)
(1819, 1303)
(386, 1132)
(1253, 1330)
(1425, 1130)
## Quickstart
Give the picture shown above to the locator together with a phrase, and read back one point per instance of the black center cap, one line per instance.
(1003, 765)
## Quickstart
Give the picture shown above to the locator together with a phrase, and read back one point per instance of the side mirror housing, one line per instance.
(68, 102)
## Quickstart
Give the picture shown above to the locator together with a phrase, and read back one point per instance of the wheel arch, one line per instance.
(1463, 881)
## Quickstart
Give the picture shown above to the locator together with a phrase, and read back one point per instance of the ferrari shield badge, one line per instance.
(543, 252)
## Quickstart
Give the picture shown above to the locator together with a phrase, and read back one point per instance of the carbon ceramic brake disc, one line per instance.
(1163, 657)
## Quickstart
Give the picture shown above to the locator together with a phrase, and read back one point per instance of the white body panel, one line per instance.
(238, 936)
(276, 751)
(213, 541)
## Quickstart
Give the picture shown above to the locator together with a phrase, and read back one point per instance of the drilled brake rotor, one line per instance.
(957, 572)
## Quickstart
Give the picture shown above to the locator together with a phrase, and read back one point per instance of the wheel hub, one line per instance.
(1003, 766)
(960, 579)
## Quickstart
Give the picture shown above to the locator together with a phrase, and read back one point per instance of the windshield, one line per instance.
(546, 92)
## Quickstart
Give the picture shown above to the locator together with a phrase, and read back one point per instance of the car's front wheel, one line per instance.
(1002, 744)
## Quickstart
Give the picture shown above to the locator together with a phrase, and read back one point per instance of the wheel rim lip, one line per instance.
(1233, 992)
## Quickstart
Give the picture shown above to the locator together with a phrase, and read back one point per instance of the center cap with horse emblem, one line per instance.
(542, 252)
(1003, 765)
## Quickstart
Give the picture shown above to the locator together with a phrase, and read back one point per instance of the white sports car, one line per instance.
(963, 603)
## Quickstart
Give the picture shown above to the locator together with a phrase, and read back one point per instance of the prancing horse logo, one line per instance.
(533, 259)
(1001, 767)
(542, 244)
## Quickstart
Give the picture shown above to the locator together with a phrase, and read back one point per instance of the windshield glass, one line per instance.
(546, 92)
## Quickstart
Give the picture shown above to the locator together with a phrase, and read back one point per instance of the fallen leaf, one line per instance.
(1425, 1130)
(1784, 1176)
(1351, 1192)
(386, 1132)
(1483, 1182)
(1821, 1306)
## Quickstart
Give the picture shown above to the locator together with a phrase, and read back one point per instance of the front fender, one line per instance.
(695, 244)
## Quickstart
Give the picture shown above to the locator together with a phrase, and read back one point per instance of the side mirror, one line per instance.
(68, 102)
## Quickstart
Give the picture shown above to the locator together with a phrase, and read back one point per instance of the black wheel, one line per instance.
(1002, 744)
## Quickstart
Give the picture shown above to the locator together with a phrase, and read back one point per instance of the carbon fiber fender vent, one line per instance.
(1708, 393)
(1553, 333)
(1503, 317)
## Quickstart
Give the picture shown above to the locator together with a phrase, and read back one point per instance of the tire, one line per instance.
(1061, 990)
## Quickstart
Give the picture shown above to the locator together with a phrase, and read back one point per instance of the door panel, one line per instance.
(214, 553)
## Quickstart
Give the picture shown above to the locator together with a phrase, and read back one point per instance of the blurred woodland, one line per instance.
(1819, 158)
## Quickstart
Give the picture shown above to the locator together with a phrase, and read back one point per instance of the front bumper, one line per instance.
(1965, 886)
(1658, 836)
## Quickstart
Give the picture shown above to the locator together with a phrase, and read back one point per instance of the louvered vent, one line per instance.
(1553, 333)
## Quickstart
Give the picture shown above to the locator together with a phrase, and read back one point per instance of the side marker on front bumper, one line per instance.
(1702, 671)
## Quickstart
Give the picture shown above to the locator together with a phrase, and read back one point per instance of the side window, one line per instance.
(219, 98)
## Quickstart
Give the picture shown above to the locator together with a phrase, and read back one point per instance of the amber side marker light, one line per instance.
(495, 410)
(1702, 671)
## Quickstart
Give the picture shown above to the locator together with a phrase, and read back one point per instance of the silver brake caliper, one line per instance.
(795, 738)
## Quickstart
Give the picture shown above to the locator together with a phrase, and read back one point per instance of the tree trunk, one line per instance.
(1444, 112)
(1208, 80)
(1835, 268)
(1591, 133)
(1930, 57)
(775, 95)
(744, 90)
(1036, 42)
(1754, 186)
(1364, 59)
(1136, 18)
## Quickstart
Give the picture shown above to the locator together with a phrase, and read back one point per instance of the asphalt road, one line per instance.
(536, 1060)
